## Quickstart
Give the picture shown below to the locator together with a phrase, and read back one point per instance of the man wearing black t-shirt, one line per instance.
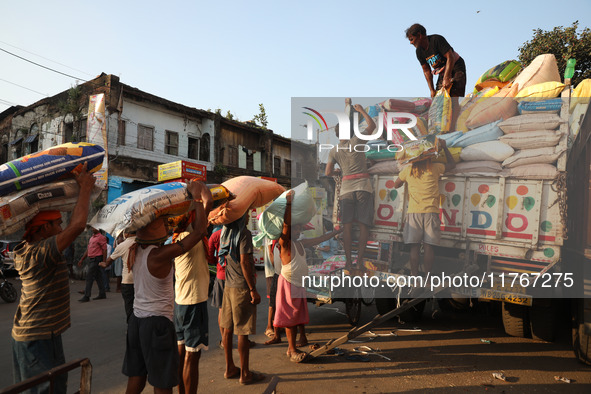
(437, 57)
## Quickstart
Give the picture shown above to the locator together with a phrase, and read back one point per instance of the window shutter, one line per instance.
(257, 161)
(241, 157)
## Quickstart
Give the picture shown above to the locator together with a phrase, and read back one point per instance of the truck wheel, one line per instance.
(581, 340)
(543, 319)
(515, 320)
(353, 310)
(412, 315)
(385, 305)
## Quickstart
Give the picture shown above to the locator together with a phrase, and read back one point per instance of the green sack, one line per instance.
(503, 72)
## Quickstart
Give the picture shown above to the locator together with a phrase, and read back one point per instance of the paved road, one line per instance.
(445, 355)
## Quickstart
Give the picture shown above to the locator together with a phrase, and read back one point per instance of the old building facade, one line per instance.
(143, 130)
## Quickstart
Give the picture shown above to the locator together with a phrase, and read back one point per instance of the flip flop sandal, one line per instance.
(298, 357)
(270, 333)
(254, 378)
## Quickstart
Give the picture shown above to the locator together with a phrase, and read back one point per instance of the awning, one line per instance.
(15, 141)
(30, 138)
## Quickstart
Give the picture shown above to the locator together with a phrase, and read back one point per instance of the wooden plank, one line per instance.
(380, 319)
(272, 385)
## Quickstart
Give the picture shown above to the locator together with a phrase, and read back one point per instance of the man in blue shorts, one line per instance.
(190, 309)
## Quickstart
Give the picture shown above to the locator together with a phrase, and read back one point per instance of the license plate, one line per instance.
(496, 295)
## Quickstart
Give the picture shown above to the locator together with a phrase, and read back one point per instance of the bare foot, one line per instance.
(232, 373)
(252, 377)
(273, 341)
(302, 343)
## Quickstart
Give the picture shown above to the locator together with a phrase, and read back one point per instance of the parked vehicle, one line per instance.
(7, 254)
(7, 290)
(514, 230)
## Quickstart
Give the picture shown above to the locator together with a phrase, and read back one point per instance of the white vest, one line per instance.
(153, 296)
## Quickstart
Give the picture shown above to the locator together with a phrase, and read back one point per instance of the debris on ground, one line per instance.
(369, 351)
(500, 376)
(562, 379)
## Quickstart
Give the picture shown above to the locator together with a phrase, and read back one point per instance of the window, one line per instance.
(121, 127)
(277, 166)
(257, 161)
(68, 135)
(31, 140)
(171, 145)
(299, 170)
(4, 157)
(242, 153)
(145, 137)
(31, 144)
(18, 149)
(204, 148)
(82, 129)
(233, 156)
(287, 167)
(250, 161)
(193, 148)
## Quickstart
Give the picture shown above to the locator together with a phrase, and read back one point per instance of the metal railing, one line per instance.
(50, 376)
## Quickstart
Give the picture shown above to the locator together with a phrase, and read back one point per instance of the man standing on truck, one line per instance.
(434, 52)
(422, 222)
(356, 195)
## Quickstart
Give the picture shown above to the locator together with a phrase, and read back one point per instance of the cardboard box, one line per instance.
(182, 170)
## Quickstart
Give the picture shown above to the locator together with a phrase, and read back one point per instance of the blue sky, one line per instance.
(234, 55)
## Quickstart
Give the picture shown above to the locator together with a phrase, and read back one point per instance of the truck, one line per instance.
(516, 231)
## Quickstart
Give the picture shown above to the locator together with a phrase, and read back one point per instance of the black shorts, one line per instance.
(151, 350)
(357, 206)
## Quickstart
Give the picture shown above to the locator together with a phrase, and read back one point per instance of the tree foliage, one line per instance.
(261, 118)
(564, 43)
(72, 104)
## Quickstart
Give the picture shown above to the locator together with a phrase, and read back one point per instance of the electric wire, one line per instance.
(43, 57)
(24, 87)
(40, 65)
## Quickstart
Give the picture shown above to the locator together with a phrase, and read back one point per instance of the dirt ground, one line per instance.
(445, 354)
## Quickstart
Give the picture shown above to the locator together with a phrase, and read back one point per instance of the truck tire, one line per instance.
(385, 305)
(581, 340)
(412, 315)
(515, 320)
(353, 310)
(543, 319)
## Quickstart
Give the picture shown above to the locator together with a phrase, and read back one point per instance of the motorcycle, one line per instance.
(7, 290)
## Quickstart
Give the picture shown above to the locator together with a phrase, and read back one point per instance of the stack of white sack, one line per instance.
(500, 141)
(536, 138)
